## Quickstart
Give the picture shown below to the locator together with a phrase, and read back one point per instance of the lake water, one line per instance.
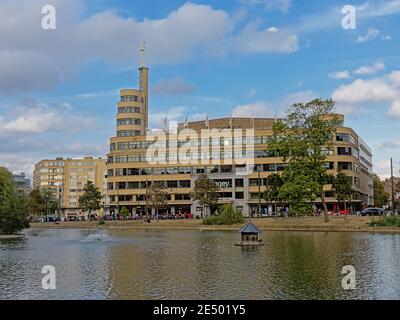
(163, 264)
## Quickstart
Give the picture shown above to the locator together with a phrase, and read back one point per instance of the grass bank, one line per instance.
(336, 224)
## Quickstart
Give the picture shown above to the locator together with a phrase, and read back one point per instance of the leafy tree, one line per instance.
(205, 191)
(274, 183)
(343, 188)
(381, 197)
(301, 139)
(36, 205)
(91, 198)
(13, 213)
(50, 202)
(157, 196)
(124, 212)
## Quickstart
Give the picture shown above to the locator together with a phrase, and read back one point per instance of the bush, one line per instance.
(228, 216)
(392, 221)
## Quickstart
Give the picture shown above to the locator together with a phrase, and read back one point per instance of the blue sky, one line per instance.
(59, 88)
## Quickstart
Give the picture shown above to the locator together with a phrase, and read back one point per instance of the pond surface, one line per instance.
(163, 264)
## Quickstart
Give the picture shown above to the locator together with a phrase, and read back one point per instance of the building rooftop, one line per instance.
(228, 122)
(249, 228)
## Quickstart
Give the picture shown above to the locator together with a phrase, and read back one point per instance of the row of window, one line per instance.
(346, 138)
(128, 133)
(222, 196)
(194, 170)
(53, 164)
(128, 121)
(54, 170)
(219, 141)
(207, 155)
(129, 110)
(130, 98)
(143, 184)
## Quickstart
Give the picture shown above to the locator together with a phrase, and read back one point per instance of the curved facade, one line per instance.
(224, 149)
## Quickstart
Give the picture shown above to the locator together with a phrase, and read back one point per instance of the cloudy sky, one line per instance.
(59, 88)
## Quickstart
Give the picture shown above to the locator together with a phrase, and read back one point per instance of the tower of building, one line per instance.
(132, 116)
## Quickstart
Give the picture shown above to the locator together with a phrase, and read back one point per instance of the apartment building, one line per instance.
(67, 177)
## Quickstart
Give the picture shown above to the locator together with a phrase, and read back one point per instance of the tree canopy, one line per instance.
(381, 197)
(302, 139)
(91, 197)
(342, 187)
(205, 191)
(157, 196)
(13, 208)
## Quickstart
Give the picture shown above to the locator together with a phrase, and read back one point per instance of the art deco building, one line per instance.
(67, 177)
(231, 151)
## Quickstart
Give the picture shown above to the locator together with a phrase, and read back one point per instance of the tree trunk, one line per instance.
(275, 209)
(324, 207)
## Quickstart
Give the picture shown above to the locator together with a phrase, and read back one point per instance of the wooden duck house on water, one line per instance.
(250, 235)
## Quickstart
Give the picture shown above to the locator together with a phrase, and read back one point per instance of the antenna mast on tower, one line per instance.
(142, 50)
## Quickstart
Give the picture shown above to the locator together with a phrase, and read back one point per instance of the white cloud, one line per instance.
(363, 70)
(371, 34)
(272, 109)
(174, 86)
(34, 59)
(273, 29)
(17, 164)
(382, 168)
(372, 9)
(339, 75)
(332, 17)
(380, 91)
(374, 90)
(259, 109)
(378, 66)
(394, 109)
(252, 39)
(42, 118)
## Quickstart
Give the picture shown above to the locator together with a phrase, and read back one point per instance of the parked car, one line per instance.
(372, 212)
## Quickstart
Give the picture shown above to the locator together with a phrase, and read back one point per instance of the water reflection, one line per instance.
(151, 264)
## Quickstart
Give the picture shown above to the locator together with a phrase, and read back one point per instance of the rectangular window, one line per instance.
(239, 183)
(342, 137)
(239, 195)
(344, 151)
(345, 166)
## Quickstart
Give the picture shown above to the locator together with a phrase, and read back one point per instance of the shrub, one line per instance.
(391, 221)
(228, 216)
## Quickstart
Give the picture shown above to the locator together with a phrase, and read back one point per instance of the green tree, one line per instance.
(13, 213)
(274, 183)
(206, 192)
(157, 196)
(343, 188)
(91, 198)
(381, 197)
(50, 203)
(302, 139)
(124, 212)
(36, 205)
